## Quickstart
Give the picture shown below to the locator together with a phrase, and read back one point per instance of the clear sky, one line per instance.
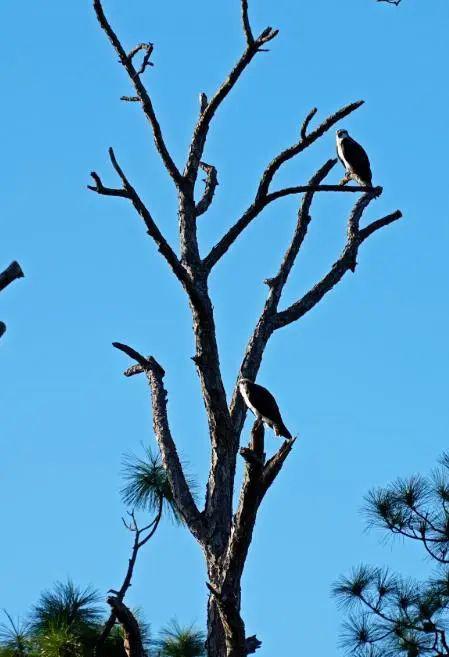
(363, 378)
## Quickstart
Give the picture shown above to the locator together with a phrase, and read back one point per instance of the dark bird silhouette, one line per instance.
(354, 158)
(262, 403)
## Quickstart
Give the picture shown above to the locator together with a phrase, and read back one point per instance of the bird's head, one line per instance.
(341, 134)
(242, 381)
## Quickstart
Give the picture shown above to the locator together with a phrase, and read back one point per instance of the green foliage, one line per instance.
(147, 483)
(177, 641)
(391, 616)
(60, 641)
(67, 621)
(14, 638)
(66, 606)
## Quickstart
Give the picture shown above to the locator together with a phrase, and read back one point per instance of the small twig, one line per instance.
(149, 364)
(99, 188)
(10, 274)
(203, 102)
(138, 543)
(148, 47)
(246, 24)
(211, 183)
(306, 123)
(201, 129)
(131, 99)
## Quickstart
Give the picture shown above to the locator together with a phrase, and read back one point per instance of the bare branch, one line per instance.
(346, 262)
(148, 47)
(170, 459)
(203, 102)
(274, 465)
(391, 2)
(211, 183)
(202, 127)
(246, 25)
(265, 325)
(2, 328)
(307, 121)
(10, 274)
(263, 198)
(164, 248)
(147, 105)
(302, 144)
(379, 223)
(219, 250)
(99, 188)
(138, 543)
(301, 189)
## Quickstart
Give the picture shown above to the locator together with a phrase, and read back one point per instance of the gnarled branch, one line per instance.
(208, 110)
(211, 183)
(128, 191)
(133, 639)
(178, 484)
(127, 62)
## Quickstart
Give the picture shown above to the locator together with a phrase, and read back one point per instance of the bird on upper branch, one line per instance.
(262, 403)
(354, 158)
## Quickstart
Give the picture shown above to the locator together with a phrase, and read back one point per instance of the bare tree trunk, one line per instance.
(215, 642)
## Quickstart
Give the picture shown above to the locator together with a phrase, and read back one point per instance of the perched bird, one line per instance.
(262, 403)
(354, 158)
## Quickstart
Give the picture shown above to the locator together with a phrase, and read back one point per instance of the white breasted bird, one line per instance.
(262, 403)
(354, 158)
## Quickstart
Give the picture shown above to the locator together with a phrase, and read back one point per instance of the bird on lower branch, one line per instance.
(354, 159)
(262, 403)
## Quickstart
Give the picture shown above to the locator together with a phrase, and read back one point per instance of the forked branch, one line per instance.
(211, 183)
(346, 262)
(128, 191)
(141, 536)
(272, 319)
(127, 62)
(253, 46)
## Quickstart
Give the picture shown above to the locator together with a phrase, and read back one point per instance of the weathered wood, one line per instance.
(225, 537)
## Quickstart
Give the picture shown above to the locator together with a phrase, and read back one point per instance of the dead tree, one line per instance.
(224, 534)
(10, 274)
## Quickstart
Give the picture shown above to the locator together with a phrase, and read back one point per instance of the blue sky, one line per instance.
(362, 378)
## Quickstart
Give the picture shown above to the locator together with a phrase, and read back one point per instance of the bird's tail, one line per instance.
(281, 430)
